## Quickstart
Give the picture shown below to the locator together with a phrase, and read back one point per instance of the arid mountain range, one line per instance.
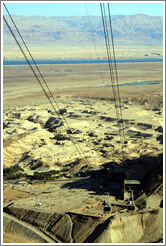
(79, 31)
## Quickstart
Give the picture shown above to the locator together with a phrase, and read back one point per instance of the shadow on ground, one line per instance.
(110, 178)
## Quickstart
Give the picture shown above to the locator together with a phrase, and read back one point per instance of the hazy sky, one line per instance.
(79, 9)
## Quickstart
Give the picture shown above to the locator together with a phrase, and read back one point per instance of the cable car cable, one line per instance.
(36, 76)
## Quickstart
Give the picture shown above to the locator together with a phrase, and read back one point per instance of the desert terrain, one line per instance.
(80, 139)
(56, 52)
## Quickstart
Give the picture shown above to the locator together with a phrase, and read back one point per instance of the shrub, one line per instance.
(45, 175)
(13, 172)
(15, 168)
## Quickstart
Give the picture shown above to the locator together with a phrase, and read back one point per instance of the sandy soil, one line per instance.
(12, 194)
(54, 198)
(62, 52)
(16, 237)
(20, 232)
(77, 89)
(87, 80)
(36, 137)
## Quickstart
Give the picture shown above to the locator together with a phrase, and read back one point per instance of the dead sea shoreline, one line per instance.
(81, 61)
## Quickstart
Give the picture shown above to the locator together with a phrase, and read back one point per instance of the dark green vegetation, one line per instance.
(13, 172)
(16, 172)
(52, 174)
(46, 175)
(76, 31)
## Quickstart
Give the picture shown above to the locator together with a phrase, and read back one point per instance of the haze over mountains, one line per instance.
(77, 31)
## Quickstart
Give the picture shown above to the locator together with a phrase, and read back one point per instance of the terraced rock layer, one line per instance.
(139, 227)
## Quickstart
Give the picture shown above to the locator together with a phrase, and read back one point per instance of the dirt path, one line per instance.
(31, 229)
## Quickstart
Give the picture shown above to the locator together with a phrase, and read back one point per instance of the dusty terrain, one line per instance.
(64, 52)
(38, 139)
(87, 80)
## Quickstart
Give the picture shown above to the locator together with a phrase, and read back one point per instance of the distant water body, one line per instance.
(135, 83)
(45, 62)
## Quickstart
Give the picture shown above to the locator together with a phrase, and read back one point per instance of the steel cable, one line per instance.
(115, 87)
(116, 75)
(36, 76)
(108, 55)
(93, 39)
